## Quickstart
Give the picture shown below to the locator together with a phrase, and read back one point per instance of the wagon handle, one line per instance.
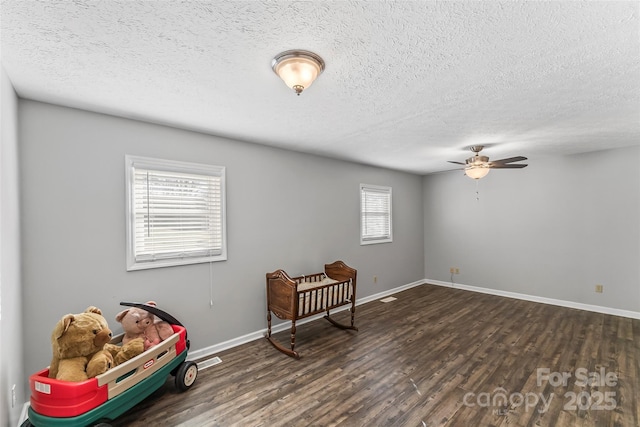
(154, 310)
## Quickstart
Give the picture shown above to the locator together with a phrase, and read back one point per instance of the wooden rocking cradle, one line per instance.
(299, 297)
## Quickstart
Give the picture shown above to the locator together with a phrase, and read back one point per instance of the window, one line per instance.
(375, 214)
(175, 213)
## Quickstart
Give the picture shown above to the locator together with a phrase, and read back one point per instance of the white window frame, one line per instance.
(375, 190)
(148, 260)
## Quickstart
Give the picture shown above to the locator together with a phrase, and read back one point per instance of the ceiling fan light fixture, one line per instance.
(478, 166)
(476, 172)
(298, 68)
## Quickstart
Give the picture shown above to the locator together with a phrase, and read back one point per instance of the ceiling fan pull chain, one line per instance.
(477, 193)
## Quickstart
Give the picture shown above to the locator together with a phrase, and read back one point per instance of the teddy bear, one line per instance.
(81, 348)
(139, 323)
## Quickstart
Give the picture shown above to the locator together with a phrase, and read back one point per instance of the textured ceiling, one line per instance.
(407, 85)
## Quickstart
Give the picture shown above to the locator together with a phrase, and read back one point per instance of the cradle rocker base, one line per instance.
(299, 297)
(340, 325)
(280, 347)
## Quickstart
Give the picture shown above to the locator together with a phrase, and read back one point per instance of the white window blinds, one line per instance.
(375, 214)
(176, 213)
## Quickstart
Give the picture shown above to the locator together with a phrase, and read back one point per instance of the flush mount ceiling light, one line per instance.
(298, 68)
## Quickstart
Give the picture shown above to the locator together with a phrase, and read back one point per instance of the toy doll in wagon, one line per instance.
(111, 381)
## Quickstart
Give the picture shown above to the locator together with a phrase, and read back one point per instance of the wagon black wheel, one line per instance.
(186, 375)
(26, 423)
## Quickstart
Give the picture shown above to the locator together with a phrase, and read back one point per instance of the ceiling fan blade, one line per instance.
(457, 163)
(493, 165)
(510, 160)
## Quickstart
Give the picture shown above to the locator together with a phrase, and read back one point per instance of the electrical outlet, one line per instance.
(375, 279)
(457, 271)
(599, 289)
(452, 270)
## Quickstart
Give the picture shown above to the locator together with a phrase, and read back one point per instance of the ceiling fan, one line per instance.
(478, 166)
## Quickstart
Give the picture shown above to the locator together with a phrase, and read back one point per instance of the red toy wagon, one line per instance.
(56, 403)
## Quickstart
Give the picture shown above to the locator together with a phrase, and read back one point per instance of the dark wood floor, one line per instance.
(434, 357)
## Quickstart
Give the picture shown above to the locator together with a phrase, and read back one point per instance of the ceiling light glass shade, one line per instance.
(476, 172)
(298, 68)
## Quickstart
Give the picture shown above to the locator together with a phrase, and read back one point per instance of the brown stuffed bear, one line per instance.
(81, 348)
(139, 323)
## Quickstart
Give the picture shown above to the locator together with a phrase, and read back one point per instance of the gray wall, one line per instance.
(11, 333)
(285, 210)
(554, 229)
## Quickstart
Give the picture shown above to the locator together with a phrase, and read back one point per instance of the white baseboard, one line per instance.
(533, 298)
(24, 414)
(234, 342)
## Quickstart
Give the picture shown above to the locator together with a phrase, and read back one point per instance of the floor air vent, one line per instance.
(388, 299)
(209, 362)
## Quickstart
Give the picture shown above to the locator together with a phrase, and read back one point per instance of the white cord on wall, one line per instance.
(210, 284)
